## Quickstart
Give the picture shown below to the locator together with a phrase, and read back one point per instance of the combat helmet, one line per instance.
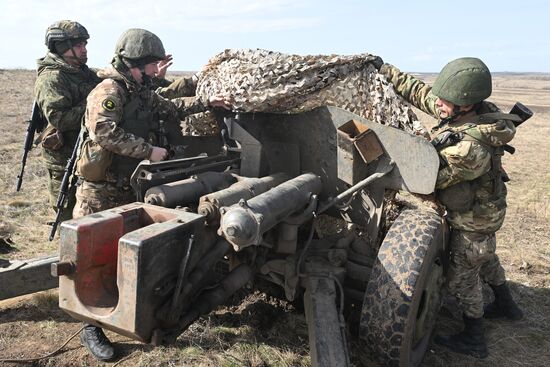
(139, 47)
(464, 81)
(61, 35)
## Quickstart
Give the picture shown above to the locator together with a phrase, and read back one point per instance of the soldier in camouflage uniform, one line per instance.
(472, 133)
(121, 113)
(61, 88)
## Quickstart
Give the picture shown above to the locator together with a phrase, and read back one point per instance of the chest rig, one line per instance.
(139, 119)
(464, 196)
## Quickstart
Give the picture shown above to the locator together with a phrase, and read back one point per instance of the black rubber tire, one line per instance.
(404, 287)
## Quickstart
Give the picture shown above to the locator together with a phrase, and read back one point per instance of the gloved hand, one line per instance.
(375, 61)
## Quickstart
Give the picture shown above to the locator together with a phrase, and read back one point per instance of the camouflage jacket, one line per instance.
(61, 92)
(181, 87)
(470, 159)
(114, 110)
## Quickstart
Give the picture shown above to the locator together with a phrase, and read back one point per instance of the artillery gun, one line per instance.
(253, 214)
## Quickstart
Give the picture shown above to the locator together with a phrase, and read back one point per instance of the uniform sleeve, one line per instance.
(160, 82)
(466, 161)
(56, 102)
(180, 107)
(104, 114)
(182, 87)
(415, 91)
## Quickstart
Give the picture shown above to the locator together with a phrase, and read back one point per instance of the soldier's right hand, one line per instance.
(158, 154)
(219, 101)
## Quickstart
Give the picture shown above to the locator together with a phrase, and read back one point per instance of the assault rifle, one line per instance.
(65, 188)
(524, 114)
(37, 123)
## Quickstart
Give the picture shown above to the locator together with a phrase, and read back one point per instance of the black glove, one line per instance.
(375, 61)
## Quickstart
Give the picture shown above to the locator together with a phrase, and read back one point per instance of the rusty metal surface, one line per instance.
(24, 277)
(123, 258)
(327, 342)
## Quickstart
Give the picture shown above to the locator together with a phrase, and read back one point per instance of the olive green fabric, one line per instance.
(474, 260)
(58, 33)
(141, 46)
(181, 87)
(463, 82)
(61, 92)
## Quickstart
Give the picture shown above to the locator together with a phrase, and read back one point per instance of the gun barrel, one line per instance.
(27, 146)
(243, 224)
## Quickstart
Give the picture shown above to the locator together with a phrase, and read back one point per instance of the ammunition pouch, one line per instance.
(51, 138)
(93, 161)
(458, 197)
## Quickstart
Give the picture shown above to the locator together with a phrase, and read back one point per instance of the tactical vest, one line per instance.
(138, 118)
(462, 197)
(98, 164)
(58, 147)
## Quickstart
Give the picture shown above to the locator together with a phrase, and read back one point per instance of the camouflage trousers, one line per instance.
(93, 197)
(473, 260)
(55, 177)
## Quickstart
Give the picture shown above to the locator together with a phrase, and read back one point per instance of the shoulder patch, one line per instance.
(108, 104)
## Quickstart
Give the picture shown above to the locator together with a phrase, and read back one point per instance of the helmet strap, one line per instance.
(456, 114)
(74, 53)
(145, 79)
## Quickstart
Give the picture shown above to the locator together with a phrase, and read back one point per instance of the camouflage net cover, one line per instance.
(266, 81)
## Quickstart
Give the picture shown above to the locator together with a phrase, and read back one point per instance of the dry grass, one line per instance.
(259, 331)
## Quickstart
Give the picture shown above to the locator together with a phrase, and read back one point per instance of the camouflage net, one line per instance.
(267, 81)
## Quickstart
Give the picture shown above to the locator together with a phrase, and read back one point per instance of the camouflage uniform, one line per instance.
(120, 117)
(181, 87)
(61, 92)
(471, 159)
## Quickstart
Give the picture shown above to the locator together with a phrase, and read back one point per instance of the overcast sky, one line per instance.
(413, 35)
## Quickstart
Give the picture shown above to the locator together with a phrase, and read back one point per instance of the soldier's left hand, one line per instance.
(163, 66)
(219, 101)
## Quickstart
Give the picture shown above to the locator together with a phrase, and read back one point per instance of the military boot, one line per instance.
(93, 338)
(470, 341)
(503, 305)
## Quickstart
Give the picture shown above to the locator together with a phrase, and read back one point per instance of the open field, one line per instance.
(261, 331)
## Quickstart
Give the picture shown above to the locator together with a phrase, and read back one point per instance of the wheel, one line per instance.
(403, 293)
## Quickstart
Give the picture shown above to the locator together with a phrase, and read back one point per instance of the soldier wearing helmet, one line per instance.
(122, 112)
(470, 138)
(61, 88)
